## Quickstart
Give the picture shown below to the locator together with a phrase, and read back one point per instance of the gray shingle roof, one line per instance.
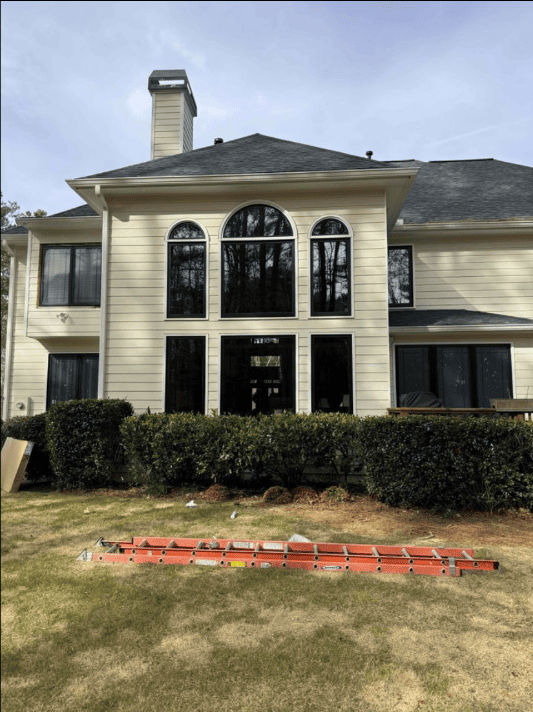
(484, 189)
(79, 212)
(452, 317)
(248, 155)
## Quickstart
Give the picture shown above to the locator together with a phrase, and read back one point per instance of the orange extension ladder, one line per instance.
(290, 554)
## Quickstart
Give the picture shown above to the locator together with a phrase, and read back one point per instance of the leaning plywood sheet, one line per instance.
(15, 456)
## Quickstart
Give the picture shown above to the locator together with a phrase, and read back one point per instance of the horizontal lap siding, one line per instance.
(484, 274)
(137, 296)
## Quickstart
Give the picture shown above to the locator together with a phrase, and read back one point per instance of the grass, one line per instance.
(102, 637)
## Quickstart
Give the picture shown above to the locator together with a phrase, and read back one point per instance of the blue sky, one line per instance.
(427, 80)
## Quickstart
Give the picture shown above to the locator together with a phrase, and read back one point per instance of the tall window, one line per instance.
(332, 374)
(70, 275)
(330, 250)
(185, 374)
(257, 374)
(258, 263)
(400, 276)
(186, 271)
(71, 377)
(462, 376)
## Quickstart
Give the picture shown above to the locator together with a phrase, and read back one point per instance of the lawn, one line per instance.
(99, 637)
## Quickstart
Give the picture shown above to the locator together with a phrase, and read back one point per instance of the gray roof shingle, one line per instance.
(484, 189)
(452, 317)
(248, 155)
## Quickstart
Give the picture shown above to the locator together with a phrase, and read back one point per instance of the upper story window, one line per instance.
(258, 263)
(330, 259)
(70, 275)
(400, 276)
(186, 271)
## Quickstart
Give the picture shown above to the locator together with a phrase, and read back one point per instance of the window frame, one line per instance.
(260, 240)
(72, 272)
(410, 249)
(79, 356)
(433, 375)
(349, 260)
(168, 243)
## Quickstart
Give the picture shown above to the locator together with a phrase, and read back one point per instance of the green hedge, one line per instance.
(172, 449)
(83, 437)
(32, 428)
(448, 463)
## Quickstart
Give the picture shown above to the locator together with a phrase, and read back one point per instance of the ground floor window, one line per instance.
(71, 377)
(257, 374)
(332, 374)
(185, 374)
(462, 376)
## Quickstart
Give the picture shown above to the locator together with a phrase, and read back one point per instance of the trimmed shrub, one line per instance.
(32, 428)
(161, 447)
(83, 438)
(337, 446)
(287, 443)
(448, 463)
(224, 447)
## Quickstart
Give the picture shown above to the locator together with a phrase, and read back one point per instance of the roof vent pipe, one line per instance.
(369, 155)
(218, 140)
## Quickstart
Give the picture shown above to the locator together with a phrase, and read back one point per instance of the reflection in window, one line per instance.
(332, 374)
(71, 275)
(186, 271)
(462, 376)
(330, 269)
(185, 374)
(72, 377)
(258, 374)
(400, 268)
(258, 273)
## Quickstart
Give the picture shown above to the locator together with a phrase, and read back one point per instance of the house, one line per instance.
(260, 274)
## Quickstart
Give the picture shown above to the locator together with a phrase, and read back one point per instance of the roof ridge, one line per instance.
(462, 160)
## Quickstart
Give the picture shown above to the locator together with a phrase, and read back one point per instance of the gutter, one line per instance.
(9, 328)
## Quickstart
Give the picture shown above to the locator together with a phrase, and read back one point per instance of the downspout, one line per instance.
(9, 328)
(103, 294)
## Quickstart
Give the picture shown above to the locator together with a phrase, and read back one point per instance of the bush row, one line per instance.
(421, 461)
(173, 449)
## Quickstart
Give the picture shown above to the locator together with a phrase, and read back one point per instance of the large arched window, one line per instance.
(330, 260)
(258, 263)
(186, 271)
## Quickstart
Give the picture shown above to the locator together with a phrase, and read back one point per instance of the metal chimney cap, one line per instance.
(369, 155)
(218, 140)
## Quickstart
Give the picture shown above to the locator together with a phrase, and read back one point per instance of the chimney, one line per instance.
(173, 110)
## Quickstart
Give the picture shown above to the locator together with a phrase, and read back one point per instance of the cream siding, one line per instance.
(490, 274)
(137, 326)
(171, 124)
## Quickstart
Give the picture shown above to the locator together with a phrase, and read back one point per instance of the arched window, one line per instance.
(330, 260)
(258, 263)
(186, 271)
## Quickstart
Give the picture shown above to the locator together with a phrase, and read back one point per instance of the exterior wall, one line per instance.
(44, 322)
(137, 325)
(491, 274)
(521, 353)
(171, 124)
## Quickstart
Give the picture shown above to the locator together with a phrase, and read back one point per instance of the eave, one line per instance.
(395, 182)
(415, 330)
(460, 227)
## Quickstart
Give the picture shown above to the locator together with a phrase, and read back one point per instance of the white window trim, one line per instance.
(169, 241)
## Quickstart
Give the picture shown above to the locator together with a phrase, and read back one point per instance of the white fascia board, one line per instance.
(495, 227)
(70, 223)
(451, 329)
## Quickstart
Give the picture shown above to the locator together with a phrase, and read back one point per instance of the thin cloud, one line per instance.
(475, 132)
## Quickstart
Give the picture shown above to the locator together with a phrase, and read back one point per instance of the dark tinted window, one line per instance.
(462, 376)
(71, 377)
(257, 374)
(71, 275)
(185, 374)
(257, 221)
(332, 374)
(331, 277)
(400, 273)
(186, 280)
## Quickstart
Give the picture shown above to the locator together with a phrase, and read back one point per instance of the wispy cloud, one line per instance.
(451, 139)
